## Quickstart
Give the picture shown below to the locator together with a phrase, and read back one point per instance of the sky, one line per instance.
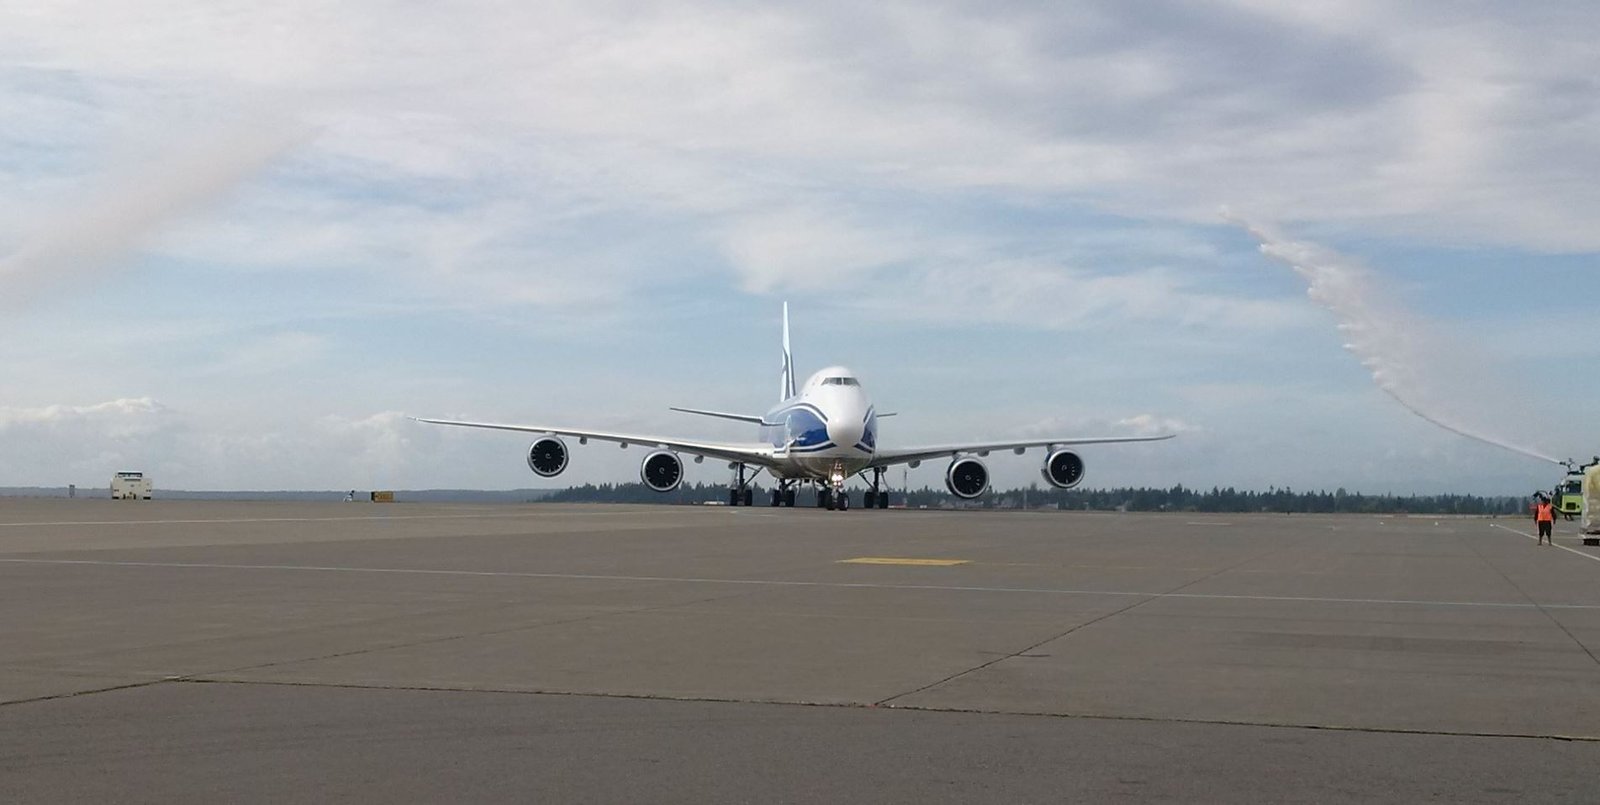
(240, 243)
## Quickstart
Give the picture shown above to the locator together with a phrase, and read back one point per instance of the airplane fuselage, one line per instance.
(829, 429)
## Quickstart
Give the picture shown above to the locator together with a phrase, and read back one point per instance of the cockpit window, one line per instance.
(840, 381)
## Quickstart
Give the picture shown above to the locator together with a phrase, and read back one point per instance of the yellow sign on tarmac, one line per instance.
(890, 560)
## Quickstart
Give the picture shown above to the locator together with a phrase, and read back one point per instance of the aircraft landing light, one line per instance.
(890, 560)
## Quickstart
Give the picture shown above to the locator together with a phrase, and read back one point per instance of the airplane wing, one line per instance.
(761, 455)
(916, 455)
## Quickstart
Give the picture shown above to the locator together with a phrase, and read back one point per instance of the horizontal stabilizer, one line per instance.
(721, 415)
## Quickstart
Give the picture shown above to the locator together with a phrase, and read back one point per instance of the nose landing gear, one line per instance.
(832, 496)
(837, 499)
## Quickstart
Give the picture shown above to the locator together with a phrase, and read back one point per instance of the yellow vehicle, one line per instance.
(1569, 497)
(1569, 494)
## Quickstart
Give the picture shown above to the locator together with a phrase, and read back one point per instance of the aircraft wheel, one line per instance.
(777, 497)
(844, 501)
(788, 497)
(883, 500)
(733, 497)
(824, 500)
(749, 497)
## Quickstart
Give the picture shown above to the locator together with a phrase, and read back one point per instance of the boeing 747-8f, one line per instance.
(823, 433)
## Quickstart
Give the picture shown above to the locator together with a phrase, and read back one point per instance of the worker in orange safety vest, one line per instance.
(1544, 513)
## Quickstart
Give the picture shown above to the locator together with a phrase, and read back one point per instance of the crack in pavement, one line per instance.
(203, 676)
(1350, 728)
(1085, 624)
(1530, 600)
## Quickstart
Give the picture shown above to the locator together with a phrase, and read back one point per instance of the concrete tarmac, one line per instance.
(160, 651)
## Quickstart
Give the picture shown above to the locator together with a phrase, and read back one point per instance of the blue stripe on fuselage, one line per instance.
(801, 426)
(817, 449)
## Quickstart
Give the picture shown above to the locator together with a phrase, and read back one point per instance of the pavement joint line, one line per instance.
(841, 585)
(1075, 627)
(1542, 611)
(198, 675)
(657, 697)
(73, 694)
(202, 676)
(1534, 537)
(1012, 655)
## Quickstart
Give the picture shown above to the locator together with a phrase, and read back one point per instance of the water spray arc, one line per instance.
(1387, 342)
(94, 235)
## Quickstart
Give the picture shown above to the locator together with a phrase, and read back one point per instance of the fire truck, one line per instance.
(1569, 493)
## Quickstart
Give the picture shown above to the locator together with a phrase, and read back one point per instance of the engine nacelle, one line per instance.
(547, 457)
(966, 478)
(662, 471)
(1063, 469)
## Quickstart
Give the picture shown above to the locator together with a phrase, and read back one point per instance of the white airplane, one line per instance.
(824, 433)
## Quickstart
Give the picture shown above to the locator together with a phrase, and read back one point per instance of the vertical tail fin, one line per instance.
(787, 389)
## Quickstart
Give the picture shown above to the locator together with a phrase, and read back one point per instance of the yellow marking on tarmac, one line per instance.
(890, 560)
(1074, 566)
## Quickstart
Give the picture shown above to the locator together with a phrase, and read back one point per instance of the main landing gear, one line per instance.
(831, 494)
(878, 494)
(739, 491)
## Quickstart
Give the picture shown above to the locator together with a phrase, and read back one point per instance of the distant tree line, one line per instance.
(1136, 499)
(639, 493)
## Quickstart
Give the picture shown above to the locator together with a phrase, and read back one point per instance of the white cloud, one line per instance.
(124, 417)
(1050, 296)
(797, 247)
(271, 354)
(559, 166)
(1154, 425)
(80, 441)
(85, 444)
(1362, 114)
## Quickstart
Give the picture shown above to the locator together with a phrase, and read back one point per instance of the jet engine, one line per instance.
(547, 457)
(1063, 469)
(662, 471)
(966, 478)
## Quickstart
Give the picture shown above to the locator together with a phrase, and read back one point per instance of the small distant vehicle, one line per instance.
(130, 486)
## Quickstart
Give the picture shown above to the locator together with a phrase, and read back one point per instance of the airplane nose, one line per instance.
(846, 433)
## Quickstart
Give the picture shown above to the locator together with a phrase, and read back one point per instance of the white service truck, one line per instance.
(130, 486)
